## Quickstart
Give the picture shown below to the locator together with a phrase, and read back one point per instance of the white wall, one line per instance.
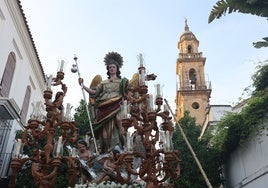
(248, 165)
(214, 115)
(14, 37)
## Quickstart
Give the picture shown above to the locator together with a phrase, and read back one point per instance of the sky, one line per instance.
(92, 28)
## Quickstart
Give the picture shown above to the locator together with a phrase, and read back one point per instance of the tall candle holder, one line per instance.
(158, 165)
(142, 159)
(45, 163)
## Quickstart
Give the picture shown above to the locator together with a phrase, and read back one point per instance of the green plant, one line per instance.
(235, 128)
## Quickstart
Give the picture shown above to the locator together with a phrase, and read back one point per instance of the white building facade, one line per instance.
(214, 114)
(22, 79)
(247, 166)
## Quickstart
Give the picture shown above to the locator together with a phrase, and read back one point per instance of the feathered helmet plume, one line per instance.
(113, 58)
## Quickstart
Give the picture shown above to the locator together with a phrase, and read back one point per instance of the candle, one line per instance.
(151, 103)
(34, 113)
(59, 146)
(61, 66)
(158, 92)
(128, 141)
(67, 115)
(38, 110)
(167, 141)
(49, 82)
(125, 109)
(18, 148)
(142, 77)
(141, 60)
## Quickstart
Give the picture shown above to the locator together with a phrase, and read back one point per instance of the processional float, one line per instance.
(148, 154)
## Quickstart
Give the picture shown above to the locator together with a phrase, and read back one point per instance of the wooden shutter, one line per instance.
(8, 75)
(25, 104)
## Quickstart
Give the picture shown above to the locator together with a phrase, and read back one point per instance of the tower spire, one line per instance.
(186, 27)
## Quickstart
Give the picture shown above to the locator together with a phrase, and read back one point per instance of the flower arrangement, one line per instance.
(111, 184)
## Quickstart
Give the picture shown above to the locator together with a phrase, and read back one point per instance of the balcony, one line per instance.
(9, 110)
(187, 56)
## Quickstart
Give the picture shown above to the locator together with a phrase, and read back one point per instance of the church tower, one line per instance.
(192, 91)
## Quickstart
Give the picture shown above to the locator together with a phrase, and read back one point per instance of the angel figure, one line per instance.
(105, 98)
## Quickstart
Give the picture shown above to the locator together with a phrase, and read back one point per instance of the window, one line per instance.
(192, 77)
(8, 75)
(195, 105)
(25, 104)
(189, 49)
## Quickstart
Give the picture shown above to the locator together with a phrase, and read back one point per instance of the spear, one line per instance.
(74, 70)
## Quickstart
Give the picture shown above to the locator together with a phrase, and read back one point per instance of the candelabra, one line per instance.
(47, 135)
(143, 158)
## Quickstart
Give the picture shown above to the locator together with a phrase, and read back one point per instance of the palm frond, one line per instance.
(261, 44)
(218, 10)
(254, 7)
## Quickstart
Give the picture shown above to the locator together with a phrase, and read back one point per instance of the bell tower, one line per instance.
(192, 91)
